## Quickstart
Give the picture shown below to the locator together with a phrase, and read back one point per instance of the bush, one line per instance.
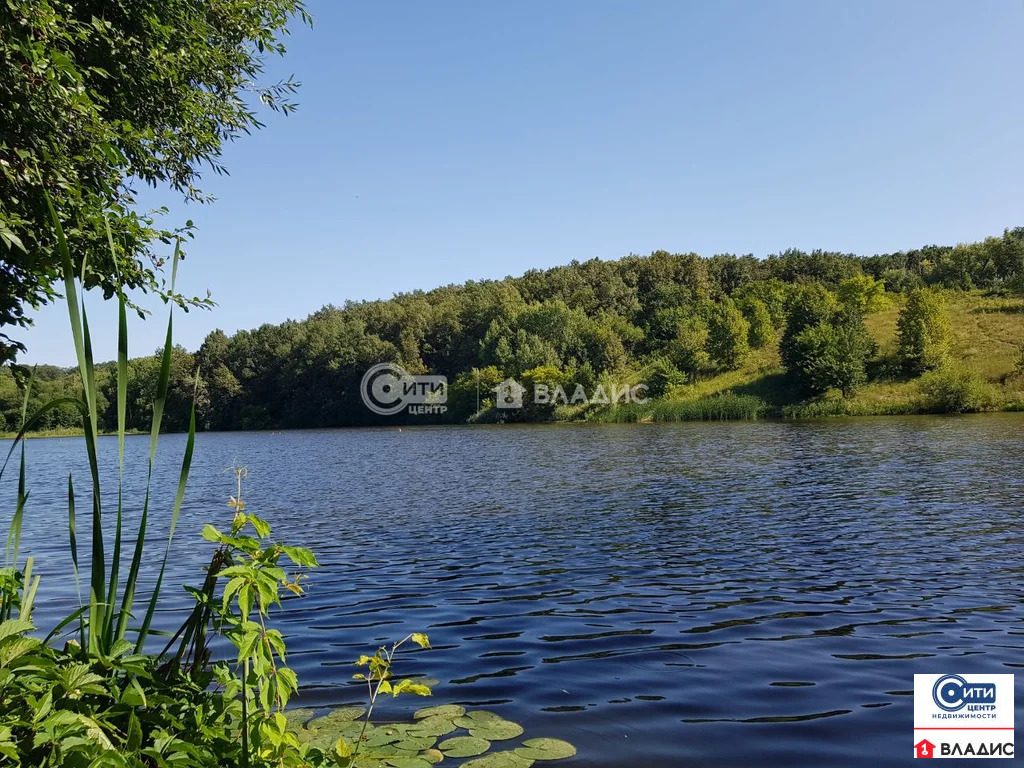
(923, 331)
(762, 329)
(901, 280)
(956, 389)
(661, 376)
(688, 351)
(863, 294)
(830, 356)
(727, 335)
(810, 305)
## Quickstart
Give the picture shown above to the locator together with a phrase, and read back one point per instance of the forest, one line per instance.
(795, 333)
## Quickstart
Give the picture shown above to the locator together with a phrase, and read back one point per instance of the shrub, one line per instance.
(810, 305)
(863, 294)
(956, 389)
(688, 351)
(727, 335)
(661, 376)
(774, 294)
(762, 329)
(830, 356)
(923, 331)
(901, 280)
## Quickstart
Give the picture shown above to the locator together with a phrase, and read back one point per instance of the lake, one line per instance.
(726, 594)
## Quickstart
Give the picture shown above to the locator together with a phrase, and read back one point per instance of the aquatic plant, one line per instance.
(101, 700)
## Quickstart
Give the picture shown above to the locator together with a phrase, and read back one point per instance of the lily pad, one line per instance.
(383, 735)
(499, 760)
(416, 743)
(408, 762)
(464, 746)
(326, 739)
(298, 717)
(445, 710)
(546, 749)
(435, 725)
(432, 756)
(496, 730)
(474, 718)
(337, 716)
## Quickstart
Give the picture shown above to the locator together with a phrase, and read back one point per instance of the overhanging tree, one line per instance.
(99, 96)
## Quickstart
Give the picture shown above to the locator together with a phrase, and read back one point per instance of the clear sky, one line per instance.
(445, 141)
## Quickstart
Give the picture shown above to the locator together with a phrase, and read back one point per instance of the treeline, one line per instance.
(664, 319)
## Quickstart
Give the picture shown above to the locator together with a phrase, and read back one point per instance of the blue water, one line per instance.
(750, 594)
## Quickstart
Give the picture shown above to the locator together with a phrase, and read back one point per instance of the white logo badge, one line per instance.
(963, 715)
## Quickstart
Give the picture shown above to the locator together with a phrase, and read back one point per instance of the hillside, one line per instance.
(792, 334)
(988, 334)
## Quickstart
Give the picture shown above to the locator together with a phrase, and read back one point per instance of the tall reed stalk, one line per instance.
(105, 623)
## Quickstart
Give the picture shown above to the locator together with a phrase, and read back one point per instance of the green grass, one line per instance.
(987, 334)
(724, 407)
(61, 432)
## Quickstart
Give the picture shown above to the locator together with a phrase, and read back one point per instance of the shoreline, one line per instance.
(777, 414)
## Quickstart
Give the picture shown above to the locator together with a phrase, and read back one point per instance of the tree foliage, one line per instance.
(923, 331)
(96, 96)
(669, 317)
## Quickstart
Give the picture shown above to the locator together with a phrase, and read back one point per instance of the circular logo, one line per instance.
(948, 693)
(382, 388)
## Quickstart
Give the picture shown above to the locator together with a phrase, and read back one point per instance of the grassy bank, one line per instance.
(987, 334)
(61, 432)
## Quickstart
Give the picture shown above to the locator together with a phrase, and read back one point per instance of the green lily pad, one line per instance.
(445, 710)
(496, 730)
(499, 760)
(417, 743)
(408, 762)
(337, 716)
(464, 746)
(326, 739)
(298, 717)
(383, 735)
(435, 725)
(474, 718)
(432, 756)
(546, 749)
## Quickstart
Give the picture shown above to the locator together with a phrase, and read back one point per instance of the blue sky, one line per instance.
(445, 141)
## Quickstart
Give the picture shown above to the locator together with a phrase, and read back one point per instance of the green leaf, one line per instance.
(408, 762)
(444, 710)
(342, 748)
(432, 726)
(464, 746)
(421, 639)
(496, 730)
(298, 717)
(545, 749)
(499, 760)
(337, 717)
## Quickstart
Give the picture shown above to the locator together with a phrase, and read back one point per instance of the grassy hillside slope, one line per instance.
(988, 334)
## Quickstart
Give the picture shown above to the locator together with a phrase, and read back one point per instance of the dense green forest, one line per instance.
(795, 332)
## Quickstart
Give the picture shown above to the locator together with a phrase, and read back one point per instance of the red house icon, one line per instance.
(924, 748)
